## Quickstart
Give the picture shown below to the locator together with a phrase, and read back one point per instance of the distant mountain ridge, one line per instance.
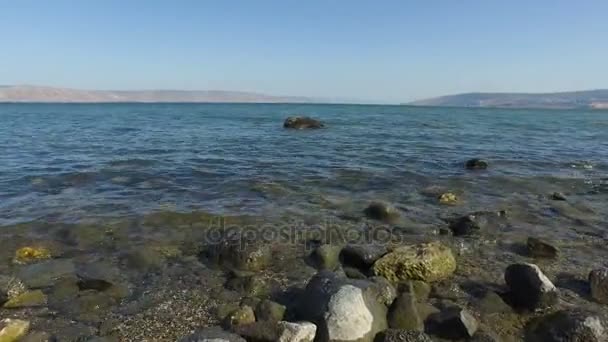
(593, 99)
(28, 93)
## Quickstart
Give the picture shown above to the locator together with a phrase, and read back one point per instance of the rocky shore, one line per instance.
(371, 275)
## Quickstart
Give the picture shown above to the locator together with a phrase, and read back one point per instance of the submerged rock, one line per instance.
(29, 254)
(448, 198)
(234, 253)
(529, 287)
(302, 122)
(399, 335)
(145, 259)
(12, 330)
(213, 334)
(566, 326)
(27, 299)
(476, 164)
(44, 274)
(466, 225)
(538, 248)
(427, 262)
(296, 332)
(381, 212)
(598, 281)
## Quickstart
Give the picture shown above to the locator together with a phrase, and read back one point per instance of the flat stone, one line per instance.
(44, 274)
(27, 299)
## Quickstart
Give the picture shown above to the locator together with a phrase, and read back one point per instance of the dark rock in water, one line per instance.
(345, 309)
(529, 287)
(398, 335)
(234, 253)
(598, 281)
(567, 326)
(403, 314)
(326, 257)
(45, 274)
(476, 164)
(558, 196)
(540, 249)
(362, 256)
(457, 323)
(474, 223)
(466, 225)
(381, 211)
(213, 334)
(301, 122)
(268, 310)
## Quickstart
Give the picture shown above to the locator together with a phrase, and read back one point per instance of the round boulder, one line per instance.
(529, 287)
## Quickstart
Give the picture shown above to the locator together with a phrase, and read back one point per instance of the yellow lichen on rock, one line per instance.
(448, 198)
(13, 330)
(29, 254)
(427, 262)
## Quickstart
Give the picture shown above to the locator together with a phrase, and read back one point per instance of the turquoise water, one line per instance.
(73, 161)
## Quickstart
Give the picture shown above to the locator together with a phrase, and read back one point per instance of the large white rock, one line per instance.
(296, 332)
(347, 317)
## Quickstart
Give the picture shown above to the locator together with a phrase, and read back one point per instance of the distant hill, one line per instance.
(51, 94)
(595, 99)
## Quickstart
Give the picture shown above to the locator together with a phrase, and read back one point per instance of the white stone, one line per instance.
(297, 332)
(347, 317)
(545, 284)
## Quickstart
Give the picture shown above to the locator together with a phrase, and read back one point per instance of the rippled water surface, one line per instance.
(69, 162)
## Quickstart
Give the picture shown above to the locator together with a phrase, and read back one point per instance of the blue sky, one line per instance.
(392, 51)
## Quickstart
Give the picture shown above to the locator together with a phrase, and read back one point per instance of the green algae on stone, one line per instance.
(12, 330)
(27, 299)
(241, 316)
(427, 262)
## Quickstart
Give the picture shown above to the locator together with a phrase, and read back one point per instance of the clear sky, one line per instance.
(371, 50)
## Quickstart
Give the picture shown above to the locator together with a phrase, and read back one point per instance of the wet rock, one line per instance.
(12, 330)
(268, 310)
(476, 164)
(448, 198)
(567, 325)
(234, 253)
(381, 212)
(398, 335)
(403, 314)
(344, 309)
(538, 248)
(529, 287)
(457, 323)
(30, 254)
(145, 259)
(427, 262)
(598, 281)
(362, 256)
(44, 274)
(258, 331)
(326, 257)
(241, 316)
(27, 299)
(466, 225)
(558, 196)
(302, 122)
(213, 334)
(296, 332)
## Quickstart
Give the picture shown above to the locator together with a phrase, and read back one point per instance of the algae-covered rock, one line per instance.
(268, 310)
(427, 262)
(235, 252)
(448, 198)
(29, 254)
(27, 299)
(12, 330)
(241, 316)
(538, 248)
